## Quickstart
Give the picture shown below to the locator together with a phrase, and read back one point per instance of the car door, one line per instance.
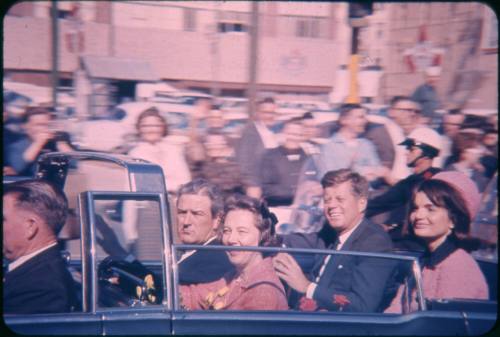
(125, 270)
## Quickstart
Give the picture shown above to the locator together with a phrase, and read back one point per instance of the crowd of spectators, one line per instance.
(418, 179)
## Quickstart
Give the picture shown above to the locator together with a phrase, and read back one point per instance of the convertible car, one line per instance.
(122, 250)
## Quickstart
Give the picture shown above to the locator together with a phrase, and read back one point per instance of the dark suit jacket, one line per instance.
(363, 281)
(249, 152)
(378, 135)
(204, 266)
(42, 284)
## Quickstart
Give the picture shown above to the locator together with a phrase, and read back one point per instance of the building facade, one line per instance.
(461, 38)
(194, 45)
(302, 48)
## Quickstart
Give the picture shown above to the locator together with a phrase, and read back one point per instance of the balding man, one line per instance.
(37, 280)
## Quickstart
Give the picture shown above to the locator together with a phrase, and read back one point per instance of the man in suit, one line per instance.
(256, 138)
(36, 280)
(199, 208)
(342, 282)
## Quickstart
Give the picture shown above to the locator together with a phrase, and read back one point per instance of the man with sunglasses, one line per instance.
(423, 145)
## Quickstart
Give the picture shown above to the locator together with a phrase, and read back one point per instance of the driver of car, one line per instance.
(36, 280)
(199, 208)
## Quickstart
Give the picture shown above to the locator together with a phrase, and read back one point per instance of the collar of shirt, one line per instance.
(432, 259)
(191, 252)
(344, 236)
(25, 258)
(267, 136)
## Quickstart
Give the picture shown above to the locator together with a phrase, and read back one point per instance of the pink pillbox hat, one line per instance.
(465, 186)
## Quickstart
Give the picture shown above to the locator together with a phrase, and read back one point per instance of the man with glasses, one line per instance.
(404, 114)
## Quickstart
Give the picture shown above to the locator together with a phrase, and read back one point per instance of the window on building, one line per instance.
(190, 19)
(226, 27)
(307, 27)
(232, 21)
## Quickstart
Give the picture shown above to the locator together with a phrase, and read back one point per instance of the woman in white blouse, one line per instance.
(156, 147)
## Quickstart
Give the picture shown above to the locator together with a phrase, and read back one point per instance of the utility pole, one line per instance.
(357, 19)
(55, 52)
(253, 58)
(214, 51)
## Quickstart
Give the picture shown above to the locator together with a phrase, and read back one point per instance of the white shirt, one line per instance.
(169, 156)
(191, 252)
(342, 239)
(399, 168)
(269, 139)
(13, 265)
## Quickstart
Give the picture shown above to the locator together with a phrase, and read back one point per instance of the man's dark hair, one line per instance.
(307, 115)
(397, 99)
(33, 111)
(267, 100)
(358, 183)
(204, 187)
(345, 109)
(454, 112)
(42, 198)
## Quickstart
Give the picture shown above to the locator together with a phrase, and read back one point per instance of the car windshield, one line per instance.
(128, 259)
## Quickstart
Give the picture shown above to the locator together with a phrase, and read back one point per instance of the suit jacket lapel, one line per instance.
(337, 260)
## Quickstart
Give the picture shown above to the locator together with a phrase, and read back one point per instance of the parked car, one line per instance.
(142, 298)
(233, 104)
(21, 95)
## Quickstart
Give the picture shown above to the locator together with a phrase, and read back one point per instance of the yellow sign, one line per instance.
(353, 97)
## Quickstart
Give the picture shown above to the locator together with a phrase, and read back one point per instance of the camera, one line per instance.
(60, 136)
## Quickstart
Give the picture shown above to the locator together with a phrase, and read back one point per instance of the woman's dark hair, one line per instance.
(443, 195)
(152, 112)
(265, 221)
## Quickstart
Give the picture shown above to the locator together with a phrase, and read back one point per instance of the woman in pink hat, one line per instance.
(441, 212)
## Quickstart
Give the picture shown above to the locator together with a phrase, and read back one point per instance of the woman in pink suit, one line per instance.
(254, 284)
(441, 212)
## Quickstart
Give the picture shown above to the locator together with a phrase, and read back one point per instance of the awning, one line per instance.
(117, 68)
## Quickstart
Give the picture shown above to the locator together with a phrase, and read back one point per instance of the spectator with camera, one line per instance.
(39, 137)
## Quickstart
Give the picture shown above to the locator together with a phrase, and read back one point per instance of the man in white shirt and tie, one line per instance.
(199, 207)
(341, 282)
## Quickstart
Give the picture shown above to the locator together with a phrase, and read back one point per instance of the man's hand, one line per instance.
(43, 136)
(289, 271)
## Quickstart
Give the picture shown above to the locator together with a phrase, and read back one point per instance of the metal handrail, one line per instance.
(294, 250)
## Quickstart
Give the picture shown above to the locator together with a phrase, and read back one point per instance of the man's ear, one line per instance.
(216, 222)
(31, 225)
(362, 203)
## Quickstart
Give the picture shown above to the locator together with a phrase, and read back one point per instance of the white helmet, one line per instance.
(427, 139)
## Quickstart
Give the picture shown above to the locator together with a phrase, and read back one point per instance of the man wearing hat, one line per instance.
(423, 145)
